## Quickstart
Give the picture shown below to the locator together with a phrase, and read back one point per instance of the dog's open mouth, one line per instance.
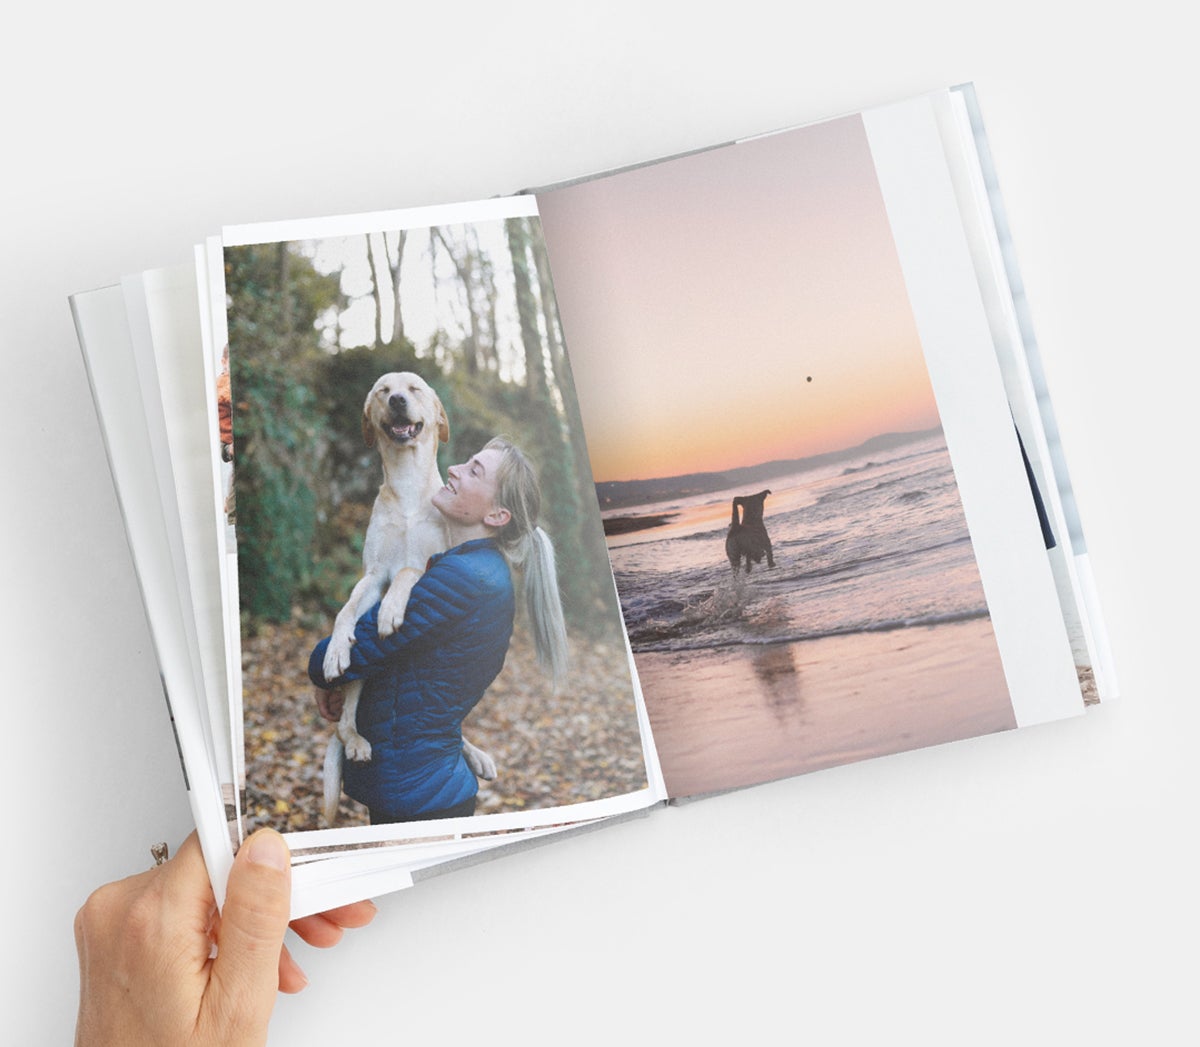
(404, 433)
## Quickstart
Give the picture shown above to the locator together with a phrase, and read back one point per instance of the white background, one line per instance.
(1036, 887)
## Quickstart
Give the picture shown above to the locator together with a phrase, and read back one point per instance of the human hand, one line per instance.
(146, 970)
(329, 703)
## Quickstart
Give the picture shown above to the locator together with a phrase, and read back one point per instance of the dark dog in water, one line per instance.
(747, 538)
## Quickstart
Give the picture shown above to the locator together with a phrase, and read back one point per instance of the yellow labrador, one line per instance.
(404, 420)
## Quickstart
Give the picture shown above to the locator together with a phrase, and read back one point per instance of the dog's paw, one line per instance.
(358, 748)
(337, 658)
(389, 620)
(481, 763)
(387, 626)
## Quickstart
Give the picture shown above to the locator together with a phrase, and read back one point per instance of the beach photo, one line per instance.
(791, 553)
(417, 533)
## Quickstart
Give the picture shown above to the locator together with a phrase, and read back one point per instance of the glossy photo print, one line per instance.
(417, 537)
(790, 548)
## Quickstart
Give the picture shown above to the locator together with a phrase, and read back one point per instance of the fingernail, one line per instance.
(266, 847)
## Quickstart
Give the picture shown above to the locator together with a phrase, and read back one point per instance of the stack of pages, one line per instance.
(821, 513)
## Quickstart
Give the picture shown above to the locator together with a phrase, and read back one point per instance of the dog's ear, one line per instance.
(369, 434)
(443, 423)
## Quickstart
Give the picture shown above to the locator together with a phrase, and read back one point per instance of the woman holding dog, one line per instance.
(422, 680)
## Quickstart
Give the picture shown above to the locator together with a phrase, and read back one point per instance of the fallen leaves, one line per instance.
(551, 750)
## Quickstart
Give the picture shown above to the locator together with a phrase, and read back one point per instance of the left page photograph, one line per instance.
(418, 546)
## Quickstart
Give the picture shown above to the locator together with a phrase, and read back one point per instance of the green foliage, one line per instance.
(480, 406)
(276, 298)
(278, 429)
(305, 480)
(275, 496)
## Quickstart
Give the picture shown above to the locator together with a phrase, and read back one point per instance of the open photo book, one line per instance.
(463, 527)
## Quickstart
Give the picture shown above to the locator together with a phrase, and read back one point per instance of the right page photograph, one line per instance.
(783, 496)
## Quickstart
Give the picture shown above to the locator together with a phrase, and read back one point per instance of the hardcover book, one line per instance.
(778, 487)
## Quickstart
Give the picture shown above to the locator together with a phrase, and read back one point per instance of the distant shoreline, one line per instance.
(619, 494)
(629, 524)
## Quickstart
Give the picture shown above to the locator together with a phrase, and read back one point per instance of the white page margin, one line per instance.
(978, 424)
(494, 209)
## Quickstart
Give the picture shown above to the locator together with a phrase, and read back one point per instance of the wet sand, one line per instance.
(736, 716)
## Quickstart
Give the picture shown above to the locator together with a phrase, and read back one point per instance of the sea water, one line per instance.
(874, 543)
(869, 636)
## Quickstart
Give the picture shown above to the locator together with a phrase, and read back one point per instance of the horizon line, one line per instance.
(913, 433)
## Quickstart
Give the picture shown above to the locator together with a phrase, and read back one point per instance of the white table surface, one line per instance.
(1037, 887)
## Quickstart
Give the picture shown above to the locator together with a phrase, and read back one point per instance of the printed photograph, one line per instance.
(789, 544)
(429, 627)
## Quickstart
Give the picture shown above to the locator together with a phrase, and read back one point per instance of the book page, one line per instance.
(214, 340)
(786, 433)
(170, 302)
(105, 336)
(449, 314)
(1002, 291)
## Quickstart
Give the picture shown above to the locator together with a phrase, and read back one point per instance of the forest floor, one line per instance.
(551, 750)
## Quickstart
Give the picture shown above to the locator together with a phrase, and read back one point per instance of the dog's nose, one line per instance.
(397, 402)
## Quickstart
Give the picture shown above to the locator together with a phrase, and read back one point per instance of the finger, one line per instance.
(245, 974)
(321, 930)
(291, 978)
(328, 704)
(356, 914)
(317, 931)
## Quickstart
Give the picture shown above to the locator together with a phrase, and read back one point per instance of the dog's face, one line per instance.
(403, 410)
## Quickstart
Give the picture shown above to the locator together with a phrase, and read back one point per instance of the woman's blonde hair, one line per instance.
(526, 546)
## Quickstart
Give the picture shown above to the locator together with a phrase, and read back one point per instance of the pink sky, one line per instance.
(699, 295)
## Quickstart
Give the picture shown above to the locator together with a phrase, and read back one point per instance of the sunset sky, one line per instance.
(698, 296)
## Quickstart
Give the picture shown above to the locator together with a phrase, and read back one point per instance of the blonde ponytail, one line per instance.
(527, 547)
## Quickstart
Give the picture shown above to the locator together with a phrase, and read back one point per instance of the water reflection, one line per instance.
(778, 681)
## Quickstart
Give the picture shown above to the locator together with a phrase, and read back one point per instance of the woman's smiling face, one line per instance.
(468, 498)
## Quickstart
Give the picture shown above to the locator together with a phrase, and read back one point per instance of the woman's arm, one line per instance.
(446, 594)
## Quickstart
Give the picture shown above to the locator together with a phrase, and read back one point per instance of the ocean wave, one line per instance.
(677, 637)
(852, 469)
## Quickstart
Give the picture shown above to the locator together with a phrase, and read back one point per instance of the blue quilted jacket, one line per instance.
(422, 681)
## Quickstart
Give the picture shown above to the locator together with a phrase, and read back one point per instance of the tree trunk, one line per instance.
(485, 297)
(397, 315)
(463, 265)
(531, 337)
(554, 337)
(285, 294)
(375, 293)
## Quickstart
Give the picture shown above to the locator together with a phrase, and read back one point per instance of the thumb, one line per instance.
(245, 973)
